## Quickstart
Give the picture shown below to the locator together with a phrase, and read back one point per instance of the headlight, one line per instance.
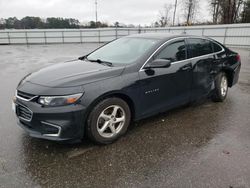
(59, 100)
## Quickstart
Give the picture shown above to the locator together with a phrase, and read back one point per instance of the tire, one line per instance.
(221, 88)
(108, 121)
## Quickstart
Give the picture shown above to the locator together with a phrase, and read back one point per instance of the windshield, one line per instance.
(123, 50)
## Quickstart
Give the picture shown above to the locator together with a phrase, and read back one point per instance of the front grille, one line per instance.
(25, 96)
(24, 113)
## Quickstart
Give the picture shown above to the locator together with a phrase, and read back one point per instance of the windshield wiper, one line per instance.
(102, 62)
(83, 58)
(96, 61)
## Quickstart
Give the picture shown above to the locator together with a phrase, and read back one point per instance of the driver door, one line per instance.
(165, 88)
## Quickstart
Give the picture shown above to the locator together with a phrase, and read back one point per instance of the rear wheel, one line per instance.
(108, 121)
(221, 88)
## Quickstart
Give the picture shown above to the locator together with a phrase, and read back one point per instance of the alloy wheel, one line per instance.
(111, 121)
(224, 86)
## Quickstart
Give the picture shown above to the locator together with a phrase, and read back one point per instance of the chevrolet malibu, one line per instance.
(98, 95)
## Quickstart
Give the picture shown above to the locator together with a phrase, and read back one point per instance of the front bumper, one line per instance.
(64, 123)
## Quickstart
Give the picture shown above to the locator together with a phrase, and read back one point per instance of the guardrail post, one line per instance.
(225, 36)
(202, 31)
(8, 34)
(128, 31)
(45, 37)
(184, 31)
(81, 36)
(26, 37)
(63, 37)
(116, 32)
(99, 36)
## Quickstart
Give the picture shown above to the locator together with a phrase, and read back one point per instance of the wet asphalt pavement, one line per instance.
(202, 145)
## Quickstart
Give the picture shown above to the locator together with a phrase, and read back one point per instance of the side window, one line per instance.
(217, 47)
(199, 47)
(173, 52)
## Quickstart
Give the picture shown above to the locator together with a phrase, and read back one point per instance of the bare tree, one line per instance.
(226, 11)
(245, 15)
(215, 8)
(238, 8)
(190, 7)
(165, 15)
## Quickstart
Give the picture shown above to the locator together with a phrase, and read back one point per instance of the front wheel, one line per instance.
(108, 121)
(221, 88)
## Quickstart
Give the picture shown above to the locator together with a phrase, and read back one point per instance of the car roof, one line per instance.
(161, 36)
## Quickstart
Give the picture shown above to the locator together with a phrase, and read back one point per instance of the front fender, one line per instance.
(125, 87)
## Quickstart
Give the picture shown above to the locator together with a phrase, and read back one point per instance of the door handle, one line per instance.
(186, 67)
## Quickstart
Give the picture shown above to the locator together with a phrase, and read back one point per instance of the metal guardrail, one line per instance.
(230, 35)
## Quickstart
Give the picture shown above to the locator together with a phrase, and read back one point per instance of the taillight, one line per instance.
(238, 58)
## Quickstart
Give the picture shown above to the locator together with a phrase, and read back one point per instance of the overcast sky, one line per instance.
(127, 11)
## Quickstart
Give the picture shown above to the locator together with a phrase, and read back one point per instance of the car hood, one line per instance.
(74, 73)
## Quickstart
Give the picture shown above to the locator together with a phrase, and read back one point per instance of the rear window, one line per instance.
(199, 47)
(217, 47)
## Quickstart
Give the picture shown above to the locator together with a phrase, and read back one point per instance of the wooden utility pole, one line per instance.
(175, 6)
(96, 18)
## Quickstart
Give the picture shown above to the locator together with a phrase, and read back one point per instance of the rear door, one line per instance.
(200, 52)
(164, 88)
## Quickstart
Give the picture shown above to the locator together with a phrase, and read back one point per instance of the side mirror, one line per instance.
(158, 63)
